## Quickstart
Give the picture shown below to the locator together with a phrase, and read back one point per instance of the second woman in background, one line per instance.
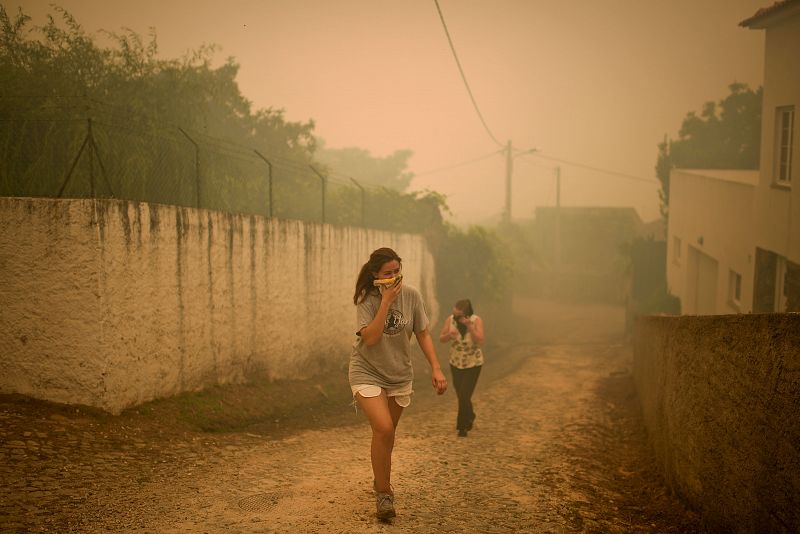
(464, 330)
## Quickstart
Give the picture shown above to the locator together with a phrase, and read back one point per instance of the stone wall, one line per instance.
(112, 303)
(721, 402)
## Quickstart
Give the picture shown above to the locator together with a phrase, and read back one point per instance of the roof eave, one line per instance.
(767, 16)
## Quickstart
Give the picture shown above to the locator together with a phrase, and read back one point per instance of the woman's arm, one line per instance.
(371, 334)
(444, 335)
(437, 376)
(476, 331)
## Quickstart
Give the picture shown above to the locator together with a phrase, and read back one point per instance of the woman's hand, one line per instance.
(390, 294)
(437, 376)
(371, 334)
(448, 332)
(454, 334)
(476, 331)
(439, 381)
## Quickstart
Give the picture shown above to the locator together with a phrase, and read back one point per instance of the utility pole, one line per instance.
(509, 172)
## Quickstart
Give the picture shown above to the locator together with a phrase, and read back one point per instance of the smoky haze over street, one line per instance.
(225, 225)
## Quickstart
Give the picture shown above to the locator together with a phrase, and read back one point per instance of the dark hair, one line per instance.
(376, 260)
(465, 306)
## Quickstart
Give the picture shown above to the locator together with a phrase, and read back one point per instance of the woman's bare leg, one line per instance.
(383, 415)
(395, 410)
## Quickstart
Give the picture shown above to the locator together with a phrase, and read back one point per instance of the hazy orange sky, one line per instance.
(592, 81)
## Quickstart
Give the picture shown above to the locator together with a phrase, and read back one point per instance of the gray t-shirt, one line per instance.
(388, 363)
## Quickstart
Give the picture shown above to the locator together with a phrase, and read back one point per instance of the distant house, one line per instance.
(654, 230)
(777, 196)
(581, 250)
(733, 240)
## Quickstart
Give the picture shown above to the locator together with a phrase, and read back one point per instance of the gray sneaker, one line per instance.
(385, 505)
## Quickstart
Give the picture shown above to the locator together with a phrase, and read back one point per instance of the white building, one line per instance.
(777, 197)
(711, 240)
(733, 243)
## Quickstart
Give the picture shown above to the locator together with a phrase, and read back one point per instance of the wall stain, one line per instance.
(268, 237)
(182, 222)
(232, 230)
(126, 224)
(308, 253)
(154, 224)
(58, 210)
(180, 225)
(138, 223)
(210, 274)
(99, 209)
(253, 292)
(32, 205)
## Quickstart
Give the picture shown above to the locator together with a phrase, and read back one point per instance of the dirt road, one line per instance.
(557, 446)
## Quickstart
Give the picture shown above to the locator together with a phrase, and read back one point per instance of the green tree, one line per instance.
(55, 77)
(725, 135)
(128, 81)
(389, 171)
(474, 263)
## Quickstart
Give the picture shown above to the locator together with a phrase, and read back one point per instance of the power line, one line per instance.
(463, 76)
(597, 169)
(455, 165)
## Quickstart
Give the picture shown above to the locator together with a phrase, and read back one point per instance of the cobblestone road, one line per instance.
(557, 447)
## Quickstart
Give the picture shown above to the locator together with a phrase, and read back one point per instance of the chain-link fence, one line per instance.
(106, 156)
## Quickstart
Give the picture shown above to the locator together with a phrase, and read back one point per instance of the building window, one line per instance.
(734, 288)
(785, 134)
(676, 249)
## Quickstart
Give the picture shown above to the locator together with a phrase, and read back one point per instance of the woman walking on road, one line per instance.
(464, 331)
(380, 373)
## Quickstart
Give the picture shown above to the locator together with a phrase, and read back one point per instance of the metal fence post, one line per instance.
(196, 163)
(91, 157)
(324, 181)
(269, 165)
(96, 153)
(363, 198)
(74, 163)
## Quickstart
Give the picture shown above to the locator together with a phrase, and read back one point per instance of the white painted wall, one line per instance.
(113, 303)
(712, 211)
(778, 208)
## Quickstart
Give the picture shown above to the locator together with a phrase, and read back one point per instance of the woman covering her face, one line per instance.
(380, 374)
(464, 331)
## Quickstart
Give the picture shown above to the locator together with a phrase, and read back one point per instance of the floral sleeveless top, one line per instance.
(464, 353)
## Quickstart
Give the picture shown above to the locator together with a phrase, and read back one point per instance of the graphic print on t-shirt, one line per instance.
(394, 322)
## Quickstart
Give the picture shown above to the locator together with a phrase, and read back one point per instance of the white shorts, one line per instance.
(402, 395)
